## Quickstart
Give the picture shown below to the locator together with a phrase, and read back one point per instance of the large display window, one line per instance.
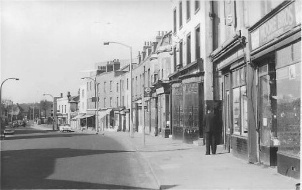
(288, 79)
(240, 126)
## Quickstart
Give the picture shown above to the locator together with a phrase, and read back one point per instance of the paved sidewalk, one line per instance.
(184, 166)
(177, 165)
(43, 127)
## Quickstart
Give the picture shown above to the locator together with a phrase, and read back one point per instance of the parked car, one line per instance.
(9, 130)
(65, 128)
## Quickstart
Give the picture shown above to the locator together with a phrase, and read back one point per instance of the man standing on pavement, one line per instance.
(210, 131)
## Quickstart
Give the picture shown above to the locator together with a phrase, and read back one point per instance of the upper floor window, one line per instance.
(149, 83)
(110, 101)
(174, 20)
(188, 10)
(197, 43)
(189, 49)
(174, 58)
(90, 85)
(117, 87)
(65, 108)
(105, 87)
(127, 83)
(180, 54)
(104, 102)
(197, 6)
(117, 102)
(110, 86)
(180, 14)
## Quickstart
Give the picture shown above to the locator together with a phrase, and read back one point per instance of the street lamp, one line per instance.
(53, 110)
(1, 99)
(130, 67)
(96, 102)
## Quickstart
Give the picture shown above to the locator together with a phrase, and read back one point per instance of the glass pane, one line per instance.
(236, 111)
(243, 98)
(284, 56)
(288, 109)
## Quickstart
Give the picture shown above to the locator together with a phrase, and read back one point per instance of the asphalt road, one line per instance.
(35, 159)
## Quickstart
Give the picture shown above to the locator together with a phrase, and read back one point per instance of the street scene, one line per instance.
(168, 94)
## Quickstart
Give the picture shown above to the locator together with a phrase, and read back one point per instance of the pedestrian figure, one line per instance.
(210, 131)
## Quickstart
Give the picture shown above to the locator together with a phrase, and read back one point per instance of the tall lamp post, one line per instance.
(130, 68)
(1, 99)
(53, 110)
(96, 102)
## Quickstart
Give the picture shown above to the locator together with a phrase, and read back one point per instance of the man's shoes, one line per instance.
(207, 154)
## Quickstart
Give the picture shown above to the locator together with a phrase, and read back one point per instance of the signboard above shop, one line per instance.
(275, 26)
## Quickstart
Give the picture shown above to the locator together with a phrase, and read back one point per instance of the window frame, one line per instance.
(188, 10)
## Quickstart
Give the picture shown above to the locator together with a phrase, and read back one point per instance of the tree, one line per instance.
(45, 105)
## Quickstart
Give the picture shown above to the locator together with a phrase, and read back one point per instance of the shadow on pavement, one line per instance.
(167, 186)
(21, 169)
(165, 150)
(32, 134)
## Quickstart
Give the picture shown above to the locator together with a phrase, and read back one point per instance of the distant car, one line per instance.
(15, 124)
(9, 131)
(65, 128)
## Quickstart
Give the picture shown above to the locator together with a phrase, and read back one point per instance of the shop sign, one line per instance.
(160, 90)
(190, 88)
(274, 27)
(147, 92)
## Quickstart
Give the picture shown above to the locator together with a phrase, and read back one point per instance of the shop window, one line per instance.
(288, 108)
(239, 102)
(297, 51)
(236, 111)
(284, 57)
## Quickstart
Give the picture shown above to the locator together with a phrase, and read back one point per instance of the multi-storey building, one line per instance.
(160, 101)
(191, 78)
(256, 62)
(67, 108)
(243, 58)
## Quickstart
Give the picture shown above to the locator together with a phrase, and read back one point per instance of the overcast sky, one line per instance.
(48, 44)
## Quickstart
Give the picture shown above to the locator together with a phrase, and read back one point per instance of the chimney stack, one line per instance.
(139, 58)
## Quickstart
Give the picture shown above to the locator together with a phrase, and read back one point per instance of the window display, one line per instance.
(288, 108)
(240, 126)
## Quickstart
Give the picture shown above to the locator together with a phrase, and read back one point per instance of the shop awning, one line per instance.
(82, 116)
(78, 116)
(103, 113)
(87, 115)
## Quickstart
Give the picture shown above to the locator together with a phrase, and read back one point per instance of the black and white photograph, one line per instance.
(150, 94)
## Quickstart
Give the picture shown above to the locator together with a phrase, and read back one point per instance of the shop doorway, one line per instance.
(267, 112)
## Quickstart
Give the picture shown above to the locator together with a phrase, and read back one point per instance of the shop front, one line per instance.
(230, 96)
(276, 56)
(187, 102)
